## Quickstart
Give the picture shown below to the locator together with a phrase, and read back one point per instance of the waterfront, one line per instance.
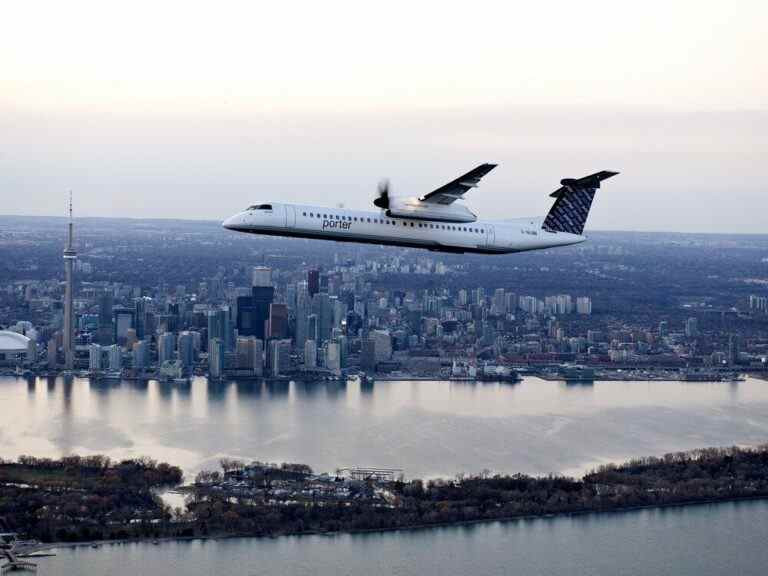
(429, 429)
(426, 428)
(702, 540)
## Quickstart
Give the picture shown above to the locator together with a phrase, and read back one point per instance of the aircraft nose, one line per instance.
(230, 222)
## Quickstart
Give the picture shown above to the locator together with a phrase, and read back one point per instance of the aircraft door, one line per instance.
(490, 236)
(290, 217)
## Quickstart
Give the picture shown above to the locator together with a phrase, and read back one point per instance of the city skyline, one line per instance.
(298, 311)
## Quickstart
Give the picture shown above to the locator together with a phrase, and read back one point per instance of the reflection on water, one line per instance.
(427, 428)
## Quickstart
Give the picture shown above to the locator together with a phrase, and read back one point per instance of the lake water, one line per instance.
(427, 429)
(708, 540)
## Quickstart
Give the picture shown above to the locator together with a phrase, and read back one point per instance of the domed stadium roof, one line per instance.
(13, 342)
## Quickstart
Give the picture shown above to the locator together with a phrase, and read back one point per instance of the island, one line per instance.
(77, 499)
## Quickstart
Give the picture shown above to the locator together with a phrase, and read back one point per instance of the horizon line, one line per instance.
(210, 221)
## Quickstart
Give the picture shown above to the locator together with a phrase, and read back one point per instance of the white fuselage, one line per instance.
(375, 227)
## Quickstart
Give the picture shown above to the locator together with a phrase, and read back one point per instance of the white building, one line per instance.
(333, 357)
(280, 357)
(262, 276)
(16, 348)
(310, 354)
(94, 358)
(114, 357)
(140, 354)
(382, 345)
(584, 305)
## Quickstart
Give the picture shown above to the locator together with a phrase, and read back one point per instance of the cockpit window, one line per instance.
(260, 207)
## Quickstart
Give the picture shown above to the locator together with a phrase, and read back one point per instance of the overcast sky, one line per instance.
(197, 110)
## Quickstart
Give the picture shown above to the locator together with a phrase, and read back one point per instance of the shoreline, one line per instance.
(95, 544)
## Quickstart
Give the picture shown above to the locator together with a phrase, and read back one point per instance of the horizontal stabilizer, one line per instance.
(591, 181)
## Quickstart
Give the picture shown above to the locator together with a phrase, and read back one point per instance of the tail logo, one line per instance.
(574, 199)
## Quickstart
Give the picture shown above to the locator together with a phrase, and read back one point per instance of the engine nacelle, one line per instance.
(418, 210)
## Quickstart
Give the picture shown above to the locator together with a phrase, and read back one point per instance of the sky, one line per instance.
(196, 110)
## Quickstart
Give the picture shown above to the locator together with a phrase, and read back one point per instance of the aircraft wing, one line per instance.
(456, 189)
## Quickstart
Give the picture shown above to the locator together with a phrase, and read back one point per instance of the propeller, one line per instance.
(382, 201)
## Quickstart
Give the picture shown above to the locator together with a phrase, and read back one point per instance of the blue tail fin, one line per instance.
(574, 199)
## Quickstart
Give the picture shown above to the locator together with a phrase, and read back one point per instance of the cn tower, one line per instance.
(69, 326)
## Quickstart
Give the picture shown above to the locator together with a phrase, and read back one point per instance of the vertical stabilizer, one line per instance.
(574, 199)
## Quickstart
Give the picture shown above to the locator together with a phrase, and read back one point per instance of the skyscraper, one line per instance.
(302, 315)
(253, 311)
(322, 307)
(166, 347)
(95, 358)
(140, 356)
(310, 354)
(333, 357)
(185, 345)
(279, 357)
(216, 358)
(219, 327)
(140, 316)
(115, 357)
(313, 282)
(278, 321)
(70, 255)
(262, 276)
(123, 321)
(106, 305)
(250, 355)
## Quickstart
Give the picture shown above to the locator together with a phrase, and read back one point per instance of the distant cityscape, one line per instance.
(170, 300)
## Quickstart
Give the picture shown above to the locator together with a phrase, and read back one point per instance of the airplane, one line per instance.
(437, 221)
